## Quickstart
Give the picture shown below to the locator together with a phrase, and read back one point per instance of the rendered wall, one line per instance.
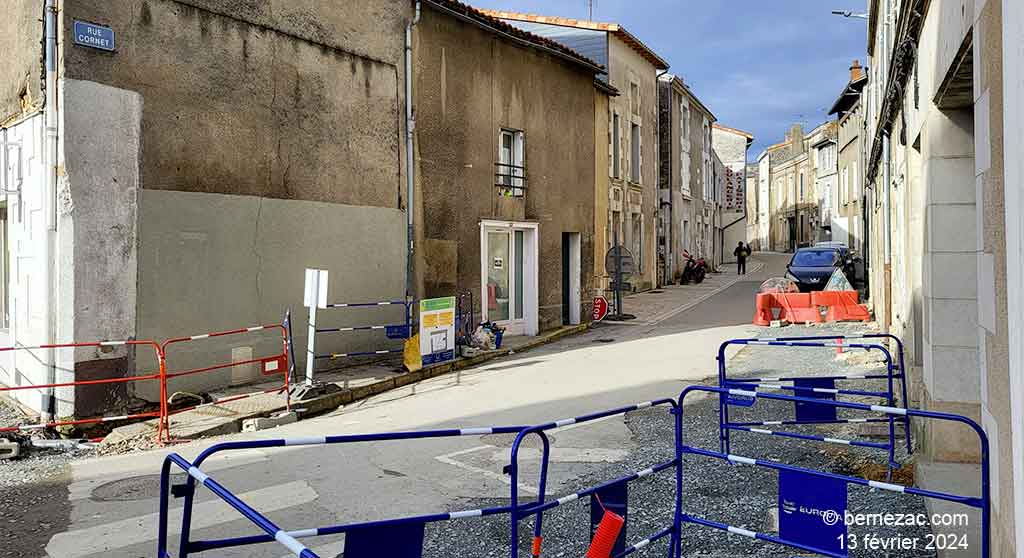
(210, 262)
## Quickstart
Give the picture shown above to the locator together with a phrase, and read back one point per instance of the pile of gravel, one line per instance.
(34, 464)
(737, 495)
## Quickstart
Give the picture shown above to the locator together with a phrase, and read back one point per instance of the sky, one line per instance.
(759, 65)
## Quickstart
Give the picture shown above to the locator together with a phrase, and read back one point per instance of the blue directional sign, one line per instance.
(94, 36)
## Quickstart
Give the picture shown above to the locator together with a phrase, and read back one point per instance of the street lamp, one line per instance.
(847, 13)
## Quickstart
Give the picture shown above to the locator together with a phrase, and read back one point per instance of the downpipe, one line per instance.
(410, 174)
(50, 119)
(887, 228)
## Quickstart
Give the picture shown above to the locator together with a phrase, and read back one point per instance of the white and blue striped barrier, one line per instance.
(403, 537)
(391, 331)
(818, 387)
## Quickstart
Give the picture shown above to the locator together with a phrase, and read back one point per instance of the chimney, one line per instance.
(856, 71)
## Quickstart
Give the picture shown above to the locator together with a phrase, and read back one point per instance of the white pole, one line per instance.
(312, 289)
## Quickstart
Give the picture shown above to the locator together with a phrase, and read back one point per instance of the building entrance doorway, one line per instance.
(509, 275)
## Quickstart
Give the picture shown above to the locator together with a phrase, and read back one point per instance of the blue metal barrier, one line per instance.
(388, 530)
(392, 331)
(816, 387)
(403, 537)
(521, 512)
(981, 502)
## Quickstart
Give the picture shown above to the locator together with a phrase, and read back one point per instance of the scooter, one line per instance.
(695, 270)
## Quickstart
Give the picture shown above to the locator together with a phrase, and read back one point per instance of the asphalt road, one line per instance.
(110, 504)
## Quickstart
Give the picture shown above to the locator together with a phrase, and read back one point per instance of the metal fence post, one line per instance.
(310, 346)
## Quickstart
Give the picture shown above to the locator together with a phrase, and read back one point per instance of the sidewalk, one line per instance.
(359, 382)
(352, 384)
(655, 306)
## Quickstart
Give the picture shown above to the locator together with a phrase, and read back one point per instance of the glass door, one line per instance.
(505, 278)
(499, 281)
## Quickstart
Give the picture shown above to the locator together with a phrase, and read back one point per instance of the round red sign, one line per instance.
(600, 308)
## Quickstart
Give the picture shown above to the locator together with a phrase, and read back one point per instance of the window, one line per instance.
(685, 242)
(801, 186)
(634, 99)
(511, 170)
(616, 148)
(634, 158)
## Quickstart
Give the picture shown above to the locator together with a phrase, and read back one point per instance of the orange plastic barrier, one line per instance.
(797, 308)
(793, 307)
(844, 306)
(763, 314)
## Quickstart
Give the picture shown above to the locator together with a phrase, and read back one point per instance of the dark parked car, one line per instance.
(811, 268)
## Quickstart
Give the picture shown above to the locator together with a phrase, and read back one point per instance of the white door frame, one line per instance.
(528, 325)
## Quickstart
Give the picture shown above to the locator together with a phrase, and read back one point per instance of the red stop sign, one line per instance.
(600, 308)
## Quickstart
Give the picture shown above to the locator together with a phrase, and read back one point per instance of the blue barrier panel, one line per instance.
(809, 413)
(394, 541)
(803, 540)
(823, 387)
(811, 509)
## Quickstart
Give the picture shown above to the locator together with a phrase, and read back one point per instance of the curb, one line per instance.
(331, 401)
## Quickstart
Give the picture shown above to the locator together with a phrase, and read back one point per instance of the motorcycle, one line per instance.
(695, 270)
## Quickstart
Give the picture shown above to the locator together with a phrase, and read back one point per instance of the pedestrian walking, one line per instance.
(741, 252)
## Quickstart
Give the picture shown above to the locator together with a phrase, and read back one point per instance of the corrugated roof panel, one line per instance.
(588, 42)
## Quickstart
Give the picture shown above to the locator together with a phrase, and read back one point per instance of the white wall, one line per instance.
(27, 234)
(1013, 143)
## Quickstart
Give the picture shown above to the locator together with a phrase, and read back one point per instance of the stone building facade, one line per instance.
(179, 183)
(944, 198)
(792, 193)
(683, 143)
(505, 168)
(824, 158)
(850, 121)
(731, 145)
(753, 201)
(632, 70)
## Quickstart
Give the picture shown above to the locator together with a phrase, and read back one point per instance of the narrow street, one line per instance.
(112, 501)
(358, 271)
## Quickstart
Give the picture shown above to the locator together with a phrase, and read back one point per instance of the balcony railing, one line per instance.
(510, 180)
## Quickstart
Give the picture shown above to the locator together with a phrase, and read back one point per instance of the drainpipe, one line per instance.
(49, 201)
(665, 223)
(887, 228)
(410, 175)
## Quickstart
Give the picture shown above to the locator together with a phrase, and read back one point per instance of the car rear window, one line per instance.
(815, 258)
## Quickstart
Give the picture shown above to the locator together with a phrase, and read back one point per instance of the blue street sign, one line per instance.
(94, 36)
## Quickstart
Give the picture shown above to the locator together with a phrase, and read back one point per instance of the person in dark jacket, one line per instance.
(741, 252)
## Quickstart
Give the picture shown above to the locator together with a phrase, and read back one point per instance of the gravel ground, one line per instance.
(29, 514)
(736, 495)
